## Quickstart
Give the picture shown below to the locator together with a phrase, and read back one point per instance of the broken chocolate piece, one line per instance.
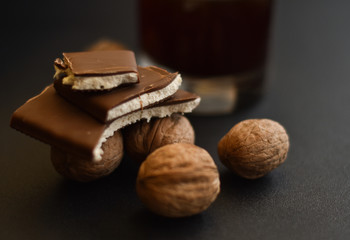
(52, 120)
(155, 85)
(60, 64)
(97, 70)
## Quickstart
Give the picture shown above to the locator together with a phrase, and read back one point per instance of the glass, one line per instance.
(218, 46)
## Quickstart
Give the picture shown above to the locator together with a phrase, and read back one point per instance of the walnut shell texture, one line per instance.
(142, 138)
(178, 180)
(86, 170)
(254, 147)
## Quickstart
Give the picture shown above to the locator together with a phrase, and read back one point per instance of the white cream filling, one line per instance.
(162, 111)
(145, 99)
(100, 82)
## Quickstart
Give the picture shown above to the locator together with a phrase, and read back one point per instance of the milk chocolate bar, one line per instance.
(155, 85)
(97, 70)
(52, 120)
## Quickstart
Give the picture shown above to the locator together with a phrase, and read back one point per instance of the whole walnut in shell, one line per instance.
(85, 170)
(142, 138)
(178, 180)
(106, 44)
(254, 147)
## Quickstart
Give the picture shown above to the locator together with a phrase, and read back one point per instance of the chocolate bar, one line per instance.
(52, 120)
(155, 85)
(97, 70)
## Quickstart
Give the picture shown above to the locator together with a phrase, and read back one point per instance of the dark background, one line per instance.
(307, 91)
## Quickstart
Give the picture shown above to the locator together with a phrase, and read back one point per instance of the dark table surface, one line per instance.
(307, 91)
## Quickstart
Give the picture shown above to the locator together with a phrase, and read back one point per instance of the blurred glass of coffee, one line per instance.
(218, 46)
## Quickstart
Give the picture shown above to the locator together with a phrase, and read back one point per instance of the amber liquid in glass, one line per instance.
(211, 43)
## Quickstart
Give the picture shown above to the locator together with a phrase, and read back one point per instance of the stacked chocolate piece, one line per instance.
(94, 95)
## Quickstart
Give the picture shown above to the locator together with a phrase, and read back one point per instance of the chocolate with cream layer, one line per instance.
(155, 85)
(52, 120)
(97, 70)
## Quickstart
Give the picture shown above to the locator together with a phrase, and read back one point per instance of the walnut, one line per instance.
(85, 170)
(106, 44)
(254, 147)
(144, 137)
(178, 180)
